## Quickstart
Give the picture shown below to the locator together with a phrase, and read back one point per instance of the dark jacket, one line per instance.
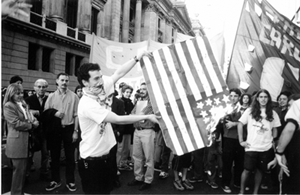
(34, 104)
(118, 108)
(51, 125)
(128, 129)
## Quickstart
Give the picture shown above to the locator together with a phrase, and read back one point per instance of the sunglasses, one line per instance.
(39, 86)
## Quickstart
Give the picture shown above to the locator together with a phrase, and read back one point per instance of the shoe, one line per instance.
(125, 168)
(163, 175)
(145, 186)
(212, 184)
(187, 185)
(247, 188)
(178, 185)
(118, 172)
(53, 185)
(226, 189)
(180, 174)
(134, 183)
(264, 186)
(195, 180)
(71, 186)
(220, 175)
(130, 164)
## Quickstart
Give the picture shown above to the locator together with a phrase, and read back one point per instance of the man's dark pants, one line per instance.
(65, 135)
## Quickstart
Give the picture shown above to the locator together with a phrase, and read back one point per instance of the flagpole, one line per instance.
(236, 36)
(295, 14)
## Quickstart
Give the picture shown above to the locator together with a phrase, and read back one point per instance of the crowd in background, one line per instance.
(243, 145)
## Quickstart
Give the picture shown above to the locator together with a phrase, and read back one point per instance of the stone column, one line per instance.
(100, 24)
(115, 23)
(56, 10)
(125, 23)
(107, 19)
(150, 23)
(168, 32)
(84, 15)
(137, 21)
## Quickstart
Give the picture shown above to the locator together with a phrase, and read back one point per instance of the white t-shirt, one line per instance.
(259, 132)
(97, 136)
(294, 112)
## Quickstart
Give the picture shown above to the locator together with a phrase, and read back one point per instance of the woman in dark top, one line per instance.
(124, 146)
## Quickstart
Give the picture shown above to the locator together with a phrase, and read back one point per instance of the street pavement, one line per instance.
(36, 186)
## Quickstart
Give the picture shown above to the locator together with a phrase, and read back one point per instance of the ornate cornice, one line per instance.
(42, 33)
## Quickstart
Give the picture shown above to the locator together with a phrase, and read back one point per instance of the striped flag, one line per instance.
(186, 87)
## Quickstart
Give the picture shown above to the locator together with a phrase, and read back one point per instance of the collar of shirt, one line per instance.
(62, 93)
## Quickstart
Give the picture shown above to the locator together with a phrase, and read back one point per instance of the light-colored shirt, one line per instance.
(259, 132)
(294, 112)
(66, 103)
(97, 136)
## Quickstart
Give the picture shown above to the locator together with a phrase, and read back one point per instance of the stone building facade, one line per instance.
(56, 37)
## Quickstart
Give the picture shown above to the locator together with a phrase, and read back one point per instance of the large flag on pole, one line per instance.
(266, 51)
(187, 89)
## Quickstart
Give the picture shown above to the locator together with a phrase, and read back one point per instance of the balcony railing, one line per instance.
(56, 26)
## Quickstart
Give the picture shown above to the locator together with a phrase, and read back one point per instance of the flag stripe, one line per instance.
(214, 61)
(209, 66)
(194, 133)
(188, 73)
(162, 109)
(172, 98)
(162, 64)
(199, 68)
(192, 68)
(203, 65)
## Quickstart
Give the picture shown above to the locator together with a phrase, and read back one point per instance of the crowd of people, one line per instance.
(104, 132)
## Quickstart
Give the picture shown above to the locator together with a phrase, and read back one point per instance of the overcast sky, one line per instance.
(223, 15)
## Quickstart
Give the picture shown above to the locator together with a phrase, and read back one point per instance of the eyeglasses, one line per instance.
(39, 86)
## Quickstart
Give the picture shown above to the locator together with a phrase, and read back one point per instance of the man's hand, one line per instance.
(59, 115)
(12, 7)
(153, 118)
(75, 136)
(272, 164)
(35, 112)
(245, 144)
(35, 124)
(282, 162)
(229, 124)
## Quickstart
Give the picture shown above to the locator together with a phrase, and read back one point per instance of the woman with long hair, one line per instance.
(19, 122)
(245, 102)
(262, 123)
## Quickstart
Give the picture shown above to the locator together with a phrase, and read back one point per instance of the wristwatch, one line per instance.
(136, 59)
(279, 153)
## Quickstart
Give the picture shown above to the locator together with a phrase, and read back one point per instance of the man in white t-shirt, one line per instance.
(290, 137)
(95, 120)
(261, 123)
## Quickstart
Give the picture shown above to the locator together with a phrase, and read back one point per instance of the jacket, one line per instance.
(18, 131)
(128, 129)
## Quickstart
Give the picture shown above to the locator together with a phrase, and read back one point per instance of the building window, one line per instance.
(94, 21)
(68, 67)
(72, 63)
(78, 62)
(32, 56)
(72, 13)
(40, 58)
(158, 24)
(47, 59)
(36, 6)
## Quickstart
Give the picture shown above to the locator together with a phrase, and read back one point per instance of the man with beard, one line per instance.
(143, 143)
(95, 120)
(36, 104)
(64, 102)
